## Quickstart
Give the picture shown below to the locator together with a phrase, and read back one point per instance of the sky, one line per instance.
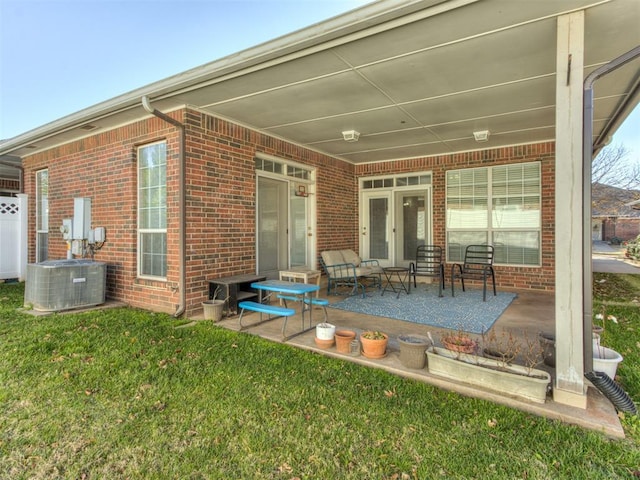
(58, 57)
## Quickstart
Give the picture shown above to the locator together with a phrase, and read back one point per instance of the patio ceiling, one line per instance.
(414, 78)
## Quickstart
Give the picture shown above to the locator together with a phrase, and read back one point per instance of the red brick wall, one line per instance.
(103, 167)
(221, 199)
(622, 228)
(538, 278)
(220, 202)
(9, 185)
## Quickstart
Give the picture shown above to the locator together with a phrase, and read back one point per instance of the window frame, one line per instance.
(42, 219)
(526, 190)
(145, 232)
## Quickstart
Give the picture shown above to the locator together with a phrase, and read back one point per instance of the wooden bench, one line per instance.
(264, 308)
(321, 302)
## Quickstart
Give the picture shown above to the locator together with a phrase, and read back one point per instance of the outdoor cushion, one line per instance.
(368, 271)
(346, 268)
(332, 257)
(351, 257)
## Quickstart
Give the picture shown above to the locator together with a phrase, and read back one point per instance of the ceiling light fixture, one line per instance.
(481, 135)
(350, 135)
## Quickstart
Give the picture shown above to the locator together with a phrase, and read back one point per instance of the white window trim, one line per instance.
(39, 229)
(140, 230)
(490, 230)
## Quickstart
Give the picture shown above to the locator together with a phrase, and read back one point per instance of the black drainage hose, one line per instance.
(612, 391)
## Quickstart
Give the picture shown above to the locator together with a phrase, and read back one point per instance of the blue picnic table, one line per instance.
(294, 291)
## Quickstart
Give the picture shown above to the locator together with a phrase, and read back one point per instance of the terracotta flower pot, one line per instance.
(374, 347)
(343, 340)
(459, 344)
(324, 343)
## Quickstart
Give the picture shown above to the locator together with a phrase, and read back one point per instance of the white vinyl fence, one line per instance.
(13, 237)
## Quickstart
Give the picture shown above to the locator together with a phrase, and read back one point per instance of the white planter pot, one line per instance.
(606, 360)
(511, 380)
(325, 331)
(213, 310)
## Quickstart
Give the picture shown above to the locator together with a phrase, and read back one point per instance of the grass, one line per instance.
(619, 296)
(123, 393)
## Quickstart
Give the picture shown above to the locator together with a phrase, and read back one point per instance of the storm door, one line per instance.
(272, 219)
(284, 213)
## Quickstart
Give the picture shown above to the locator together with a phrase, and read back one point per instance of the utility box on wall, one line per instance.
(81, 218)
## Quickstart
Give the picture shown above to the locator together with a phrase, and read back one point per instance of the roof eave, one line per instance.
(358, 19)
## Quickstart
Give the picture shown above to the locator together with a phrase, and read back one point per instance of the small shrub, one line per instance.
(633, 248)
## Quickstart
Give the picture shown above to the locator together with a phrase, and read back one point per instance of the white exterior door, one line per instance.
(376, 235)
(283, 226)
(394, 222)
(412, 226)
(272, 226)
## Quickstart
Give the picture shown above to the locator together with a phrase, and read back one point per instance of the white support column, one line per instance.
(569, 385)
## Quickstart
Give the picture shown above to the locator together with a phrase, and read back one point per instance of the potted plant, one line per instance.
(343, 340)
(503, 347)
(548, 344)
(459, 342)
(521, 381)
(325, 335)
(605, 359)
(374, 343)
(412, 350)
(214, 308)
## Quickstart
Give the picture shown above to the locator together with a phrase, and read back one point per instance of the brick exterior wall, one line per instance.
(622, 228)
(536, 278)
(103, 167)
(9, 185)
(221, 201)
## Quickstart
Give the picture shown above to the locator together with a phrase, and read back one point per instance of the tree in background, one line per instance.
(615, 183)
(613, 167)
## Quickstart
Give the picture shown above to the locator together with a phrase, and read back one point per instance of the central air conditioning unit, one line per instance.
(56, 285)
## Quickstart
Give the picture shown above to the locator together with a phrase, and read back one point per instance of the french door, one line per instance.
(282, 227)
(393, 223)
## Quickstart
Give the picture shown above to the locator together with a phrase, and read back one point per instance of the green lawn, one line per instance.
(124, 394)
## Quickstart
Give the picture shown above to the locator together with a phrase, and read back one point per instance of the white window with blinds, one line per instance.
(498, 205)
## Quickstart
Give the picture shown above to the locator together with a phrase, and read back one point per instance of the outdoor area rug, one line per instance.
(466, 311)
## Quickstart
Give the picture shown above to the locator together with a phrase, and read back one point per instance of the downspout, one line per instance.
(587, 159)
(146, 104)
(21, 174)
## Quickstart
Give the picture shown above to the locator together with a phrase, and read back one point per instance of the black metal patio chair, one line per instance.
(478, 264)
(428, 264)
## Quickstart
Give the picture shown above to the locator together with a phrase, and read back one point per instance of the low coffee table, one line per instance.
(402, 275)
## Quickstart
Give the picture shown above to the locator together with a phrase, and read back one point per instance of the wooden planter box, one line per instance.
(512, 380)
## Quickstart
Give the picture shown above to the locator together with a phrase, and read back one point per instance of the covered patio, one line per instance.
(530, 312)
(472, 108)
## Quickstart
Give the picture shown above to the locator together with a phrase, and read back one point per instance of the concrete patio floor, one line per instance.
(530, 312)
